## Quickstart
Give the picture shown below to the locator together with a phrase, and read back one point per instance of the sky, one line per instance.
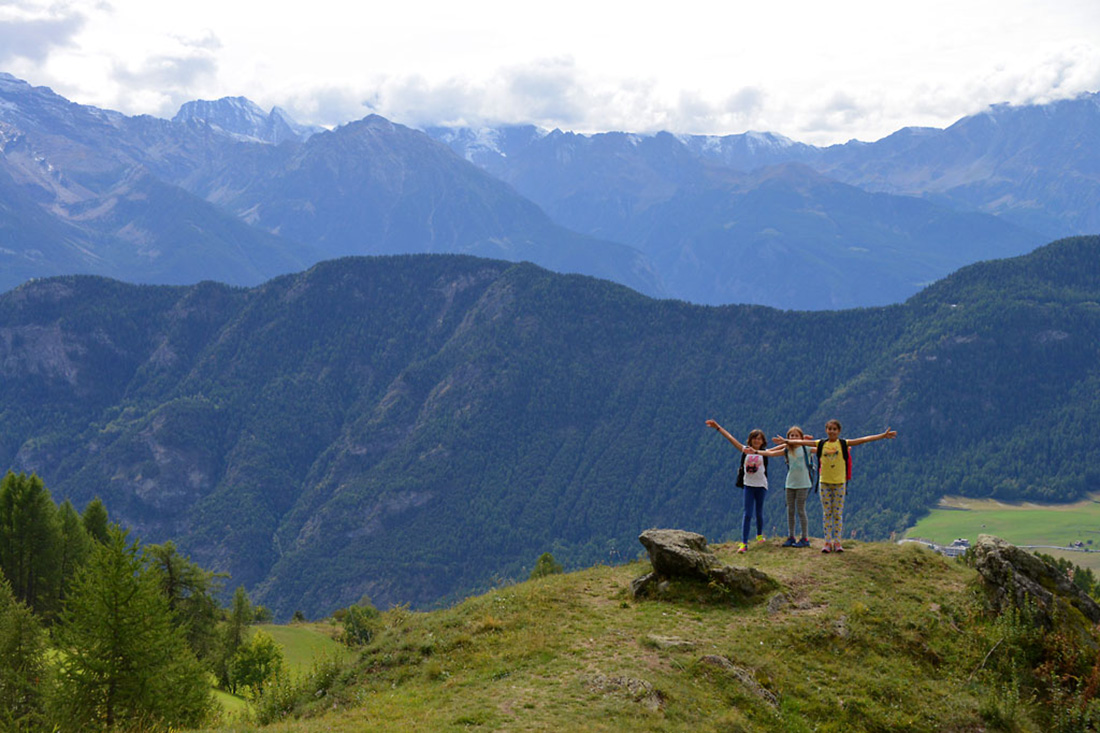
(819, 73)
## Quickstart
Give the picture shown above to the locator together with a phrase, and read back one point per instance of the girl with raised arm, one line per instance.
(752, 476)
(835, 464)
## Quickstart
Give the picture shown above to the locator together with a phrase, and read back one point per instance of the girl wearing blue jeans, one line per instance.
(752, 476)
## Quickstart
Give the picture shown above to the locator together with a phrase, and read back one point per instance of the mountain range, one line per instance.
(210, 196)
(838, 226)
(416, 427)
(228, 192)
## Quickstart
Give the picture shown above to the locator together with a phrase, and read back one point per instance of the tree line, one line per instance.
(101, 632)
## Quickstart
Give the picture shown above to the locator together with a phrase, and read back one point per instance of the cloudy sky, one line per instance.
(816, 72)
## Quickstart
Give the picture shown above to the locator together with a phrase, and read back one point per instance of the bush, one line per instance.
(286, 694)
(546, 565)
(360, 623)
(255, 663)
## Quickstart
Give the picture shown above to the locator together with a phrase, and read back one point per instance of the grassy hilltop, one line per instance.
(883, 637)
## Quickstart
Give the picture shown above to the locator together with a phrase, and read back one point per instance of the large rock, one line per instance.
(1019, 579)
(676, 553)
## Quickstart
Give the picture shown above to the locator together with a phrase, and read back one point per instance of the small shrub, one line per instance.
(546, 565)
(361, 622)
(286, 695)
(256, 662)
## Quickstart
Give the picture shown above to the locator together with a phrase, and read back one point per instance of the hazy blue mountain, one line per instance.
(261, 209)
(78, 196)
(413, 427)
(783, 235)
(1036, 165)
(375, 187)
(245, 120)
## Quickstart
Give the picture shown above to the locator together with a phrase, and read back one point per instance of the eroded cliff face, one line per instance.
(1017, 579)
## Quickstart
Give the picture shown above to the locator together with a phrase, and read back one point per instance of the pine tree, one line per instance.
(95, 520)
(240, 618)
(190, 592)
(22, 662)
(123, 660)
(73, 550)
(29, 542)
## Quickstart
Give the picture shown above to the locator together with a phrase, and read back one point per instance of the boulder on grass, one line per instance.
(679, 554)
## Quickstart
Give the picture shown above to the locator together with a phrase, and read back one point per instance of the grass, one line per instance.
(304, 643)
(883, 637)
(1019, 523)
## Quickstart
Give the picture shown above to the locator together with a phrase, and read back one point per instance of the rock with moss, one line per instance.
(1016, 578)
(679, 554)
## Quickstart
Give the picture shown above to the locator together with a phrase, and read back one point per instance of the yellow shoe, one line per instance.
(760, 538)
(742, 547)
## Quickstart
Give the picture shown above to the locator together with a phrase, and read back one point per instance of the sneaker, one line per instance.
(827, 548)
(837, 547)
(804, 542)
(790, 542)
(742, 547)
(760, 538)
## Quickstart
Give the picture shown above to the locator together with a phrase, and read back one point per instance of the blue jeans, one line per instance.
(754, 500)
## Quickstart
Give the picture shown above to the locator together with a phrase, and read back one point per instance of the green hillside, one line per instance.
(884, 637)
(418, 428)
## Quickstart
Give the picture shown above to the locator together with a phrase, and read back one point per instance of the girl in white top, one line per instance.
(752, 476)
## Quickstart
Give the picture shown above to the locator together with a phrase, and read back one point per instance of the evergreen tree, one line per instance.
(22, 654)
(95, 520)
(30, 539)
(190, 592)
(122, 658)
(73, 550)
(240, 618)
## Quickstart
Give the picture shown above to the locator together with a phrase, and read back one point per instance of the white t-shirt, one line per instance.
(755, 474)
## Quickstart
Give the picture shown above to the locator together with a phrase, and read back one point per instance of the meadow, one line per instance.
(1021, 523)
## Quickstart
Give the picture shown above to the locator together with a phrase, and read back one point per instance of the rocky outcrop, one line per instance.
(745, 676)
(639, 691)
(678, 554)
(1016, 578)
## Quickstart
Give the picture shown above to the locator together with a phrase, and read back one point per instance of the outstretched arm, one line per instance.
(808, 440)
(888, 433)
(740, 446)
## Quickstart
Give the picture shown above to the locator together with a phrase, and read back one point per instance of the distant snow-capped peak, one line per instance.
(243, 119)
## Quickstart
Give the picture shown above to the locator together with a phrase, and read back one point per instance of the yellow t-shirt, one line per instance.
(833, 470)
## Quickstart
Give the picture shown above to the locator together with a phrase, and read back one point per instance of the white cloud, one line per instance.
(32, 33)
(815, 72)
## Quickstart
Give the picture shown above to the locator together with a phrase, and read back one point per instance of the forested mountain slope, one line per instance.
(412, 427)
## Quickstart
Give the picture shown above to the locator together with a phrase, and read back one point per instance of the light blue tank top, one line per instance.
(798, 477)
